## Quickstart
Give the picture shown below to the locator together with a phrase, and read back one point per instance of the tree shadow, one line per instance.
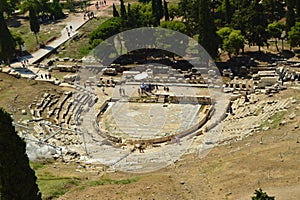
(14, 22)
(48, 48)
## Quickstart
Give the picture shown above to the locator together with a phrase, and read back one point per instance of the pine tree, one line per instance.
(167, 18)
(207, 31)
(115, 11)
(17, 179)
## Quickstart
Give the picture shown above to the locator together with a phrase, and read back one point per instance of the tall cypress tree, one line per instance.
(154, 10)
(123, 10)
(228, 11)
(157, 11)
(167, 17)
(132, 23)
(17, 179)
(160, 9)
(290, 14)
(115, 11)
(34, 23)
(7, 43)
(207, 31)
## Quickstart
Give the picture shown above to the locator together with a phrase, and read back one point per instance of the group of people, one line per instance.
(101, 3)
(88, 15)
(69, 30)
(25, 63)
(147, 88)
(47, 76)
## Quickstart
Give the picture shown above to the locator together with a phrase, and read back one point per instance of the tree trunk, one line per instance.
(276, 44)
(8, 61)
(229, 55)
(36, 38)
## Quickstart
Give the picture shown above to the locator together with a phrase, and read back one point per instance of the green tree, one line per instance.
(18, 180)
(189, 10)
(131, 18)
(275, 30)
(55, 9)
(232, 40)
(184, 8)
(228, 10)
(224, 32)
(115, 11)
(123, 10)
(160, 9)
(34, 23)
(106, 30)
(17, 38)
(174, 25)
(274, 9)
(290, 14)
(166, 11)
(260, 195)
(294, 35)
(7, 43)
(207, 30)
(157, 11)
(32, 6)
(173, 11)
(234, 43)
(297, 3)
(252, 21)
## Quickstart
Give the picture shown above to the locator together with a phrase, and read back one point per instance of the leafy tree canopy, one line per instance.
(294, 35)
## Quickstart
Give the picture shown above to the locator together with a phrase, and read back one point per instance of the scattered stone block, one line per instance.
(282, 123)
(265, 128)
(292, 115)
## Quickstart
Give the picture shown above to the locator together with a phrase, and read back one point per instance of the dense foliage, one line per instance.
(7, 43)
(294, 35)
(17, 179)
(253, 22)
